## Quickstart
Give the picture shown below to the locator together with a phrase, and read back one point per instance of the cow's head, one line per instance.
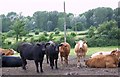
(41, 45)
(81, 44)
(9, 52)
(116, 52)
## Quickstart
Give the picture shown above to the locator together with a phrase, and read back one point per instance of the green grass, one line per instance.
(92, 50)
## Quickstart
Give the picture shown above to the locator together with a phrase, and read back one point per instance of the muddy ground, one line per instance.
(71, 69)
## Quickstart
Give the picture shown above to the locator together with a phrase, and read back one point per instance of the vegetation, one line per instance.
(99, 27)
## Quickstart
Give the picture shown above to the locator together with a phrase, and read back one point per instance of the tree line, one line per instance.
(102, 24)
(48, 21)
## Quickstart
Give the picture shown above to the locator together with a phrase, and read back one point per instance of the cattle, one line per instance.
(103, 61)
(7, 52)
(34, 52)
(11, 61)
(52, 52)
(64, 50)
(100, 53)
(105, 53)
(80, 50)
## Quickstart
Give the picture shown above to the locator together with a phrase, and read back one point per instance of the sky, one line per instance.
(28, 7)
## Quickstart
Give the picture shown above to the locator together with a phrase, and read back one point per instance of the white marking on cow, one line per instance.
(51, 42)
(80, 43)
(98, 53)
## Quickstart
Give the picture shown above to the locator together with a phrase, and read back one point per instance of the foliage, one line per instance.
(45, 33)
(57, 31)
(91, 31)
(70, 39)
(109, 29)
(42, 38)
(37, 32)
(10, 33)
(73, 34)
(18, 28)
(51, 36)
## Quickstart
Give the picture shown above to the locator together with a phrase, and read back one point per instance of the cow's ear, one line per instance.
(85, 60)
(76, 42)
(47, 44)
(38, 44)
(84, 42)
(60, 44)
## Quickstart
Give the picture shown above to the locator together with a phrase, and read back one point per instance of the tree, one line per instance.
(53, 17)
(5, 23)
(91, 31)
(109, 29)
(41, 18)
(79, 26)
(18, 28)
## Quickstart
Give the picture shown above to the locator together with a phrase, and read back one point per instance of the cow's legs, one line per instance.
(61, 60)
(41, 65)
(36, 63)
(66, 60)
(56, 64)
(24, 62)
(110, 65)
(78, 61)
(47, 58)
(51, 63)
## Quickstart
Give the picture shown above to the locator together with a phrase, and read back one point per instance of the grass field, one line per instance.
(92, 50)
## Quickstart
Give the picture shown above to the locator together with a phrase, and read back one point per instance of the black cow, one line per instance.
(11, 61)
(32, 52)
(52, 51)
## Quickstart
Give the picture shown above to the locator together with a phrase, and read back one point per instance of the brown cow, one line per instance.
(6, 51)
(106, 53)
(64, 50)
(80, 50)
(103, 61)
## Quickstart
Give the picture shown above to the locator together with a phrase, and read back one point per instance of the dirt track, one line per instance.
(71, 69)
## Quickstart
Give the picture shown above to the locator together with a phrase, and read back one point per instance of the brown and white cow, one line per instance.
(64, 50)
(80, 50)
(7, 51)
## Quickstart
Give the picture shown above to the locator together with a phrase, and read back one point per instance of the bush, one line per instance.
(57, 31)
(15, 45)
(45, 33)
(42, 38)
(29, 35)
(10, 33)
(101, 42)
(70, 39)
(73, 34)
(37, 32)
(51, 36)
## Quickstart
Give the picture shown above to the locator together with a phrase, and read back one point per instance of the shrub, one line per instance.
(101, 42)
(70, 39)
(51, 36)
(57, 31)
(73, 34)
(42, 38)
(45, 33)
(10, 33)
(15, 45)
(37, 32)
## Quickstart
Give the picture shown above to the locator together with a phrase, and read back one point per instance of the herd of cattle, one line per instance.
(36, 52)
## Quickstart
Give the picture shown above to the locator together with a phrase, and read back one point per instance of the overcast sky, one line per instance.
(28, 7)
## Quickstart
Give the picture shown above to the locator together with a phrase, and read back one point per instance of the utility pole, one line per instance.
(64, 23)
